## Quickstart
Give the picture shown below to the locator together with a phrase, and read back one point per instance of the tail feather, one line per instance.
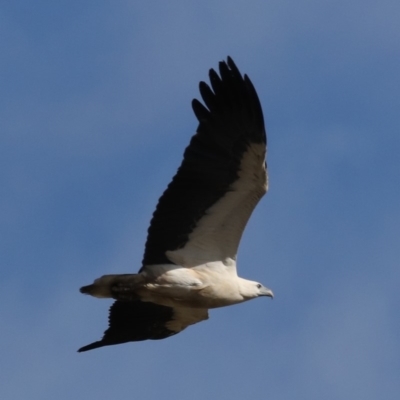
(119, 287)
(89, 289)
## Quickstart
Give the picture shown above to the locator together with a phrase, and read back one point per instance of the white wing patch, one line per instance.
(218, 233)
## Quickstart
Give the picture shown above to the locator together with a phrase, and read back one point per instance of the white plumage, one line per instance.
(189, 265)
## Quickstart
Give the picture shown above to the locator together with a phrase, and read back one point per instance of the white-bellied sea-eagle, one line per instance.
(189, 263)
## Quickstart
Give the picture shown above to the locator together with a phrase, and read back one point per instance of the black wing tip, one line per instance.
(229, 62)
(199, 110)
(92, 346)
(134, 321)
(228, 83)
(229, 66)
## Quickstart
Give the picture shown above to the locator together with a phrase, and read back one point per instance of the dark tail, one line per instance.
(119, 287)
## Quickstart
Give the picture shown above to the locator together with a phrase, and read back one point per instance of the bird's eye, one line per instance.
(259, 285)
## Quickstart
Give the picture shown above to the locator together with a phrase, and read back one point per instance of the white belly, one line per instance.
(206, 286)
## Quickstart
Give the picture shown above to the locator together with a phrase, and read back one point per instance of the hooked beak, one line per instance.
(266, 292)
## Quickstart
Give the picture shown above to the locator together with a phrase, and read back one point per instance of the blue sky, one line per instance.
(95, 113)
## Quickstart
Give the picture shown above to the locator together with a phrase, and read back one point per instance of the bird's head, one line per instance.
(251, 289)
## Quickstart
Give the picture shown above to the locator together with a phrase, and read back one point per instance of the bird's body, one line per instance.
(189, 264)
(210, 285)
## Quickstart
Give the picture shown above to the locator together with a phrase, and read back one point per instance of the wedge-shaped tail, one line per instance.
(119, 287)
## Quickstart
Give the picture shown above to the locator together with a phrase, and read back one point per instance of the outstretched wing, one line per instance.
(133, 321)
(202, 214)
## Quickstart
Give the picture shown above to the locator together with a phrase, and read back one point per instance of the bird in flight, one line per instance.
(189, 263)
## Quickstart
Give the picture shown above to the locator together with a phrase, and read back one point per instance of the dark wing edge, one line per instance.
(134, 321)
(230, 121)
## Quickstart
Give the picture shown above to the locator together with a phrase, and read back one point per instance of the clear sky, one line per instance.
(95, 113)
